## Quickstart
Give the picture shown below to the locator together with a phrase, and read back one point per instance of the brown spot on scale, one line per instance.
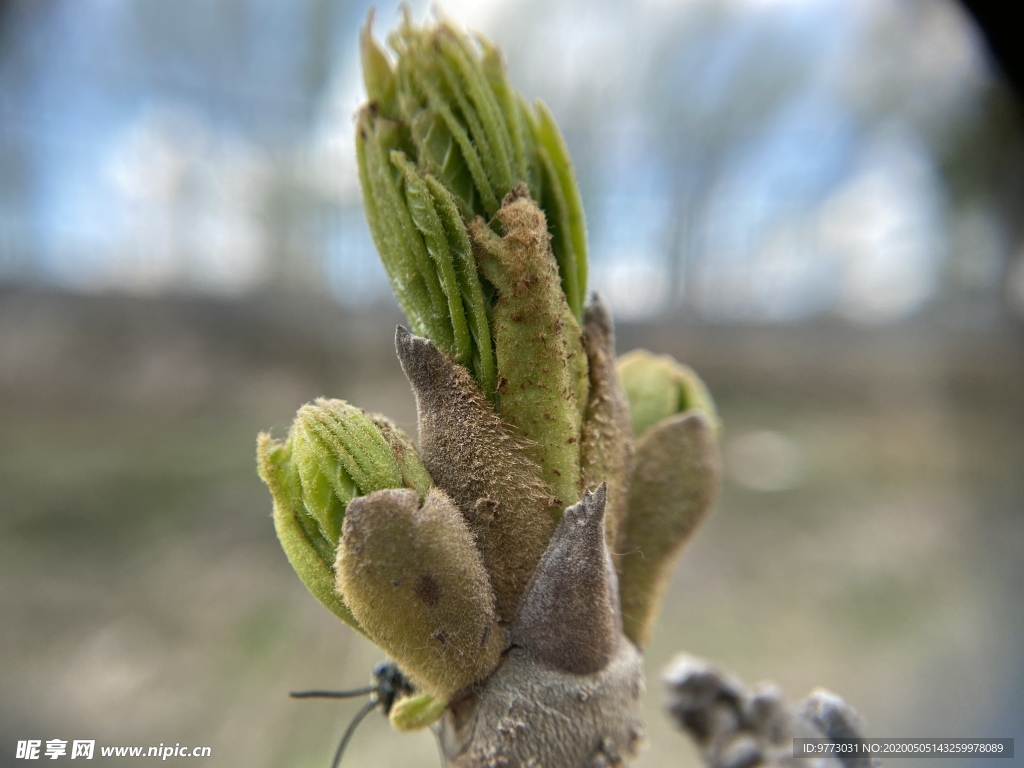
(485, 510)
(427, 590)
(441, 637)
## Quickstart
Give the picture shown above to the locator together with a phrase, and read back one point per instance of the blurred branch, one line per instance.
(736, 727)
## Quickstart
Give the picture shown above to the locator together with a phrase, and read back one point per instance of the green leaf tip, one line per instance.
(378, 77)
(334, 453)
(416, 712)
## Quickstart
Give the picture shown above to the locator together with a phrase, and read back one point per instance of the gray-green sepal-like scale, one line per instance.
(413, 577)
(672, 489)
(673, 483)
(570, 616)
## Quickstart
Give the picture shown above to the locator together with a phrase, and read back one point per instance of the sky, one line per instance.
(751, 161)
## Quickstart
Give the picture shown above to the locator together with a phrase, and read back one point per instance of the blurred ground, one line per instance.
(868, 538)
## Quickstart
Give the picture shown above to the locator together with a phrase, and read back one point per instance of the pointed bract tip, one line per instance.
(590, 508)
(597, 315)
(418, 356)
(597, 497)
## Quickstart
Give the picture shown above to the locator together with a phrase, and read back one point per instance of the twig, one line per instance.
(735, 727)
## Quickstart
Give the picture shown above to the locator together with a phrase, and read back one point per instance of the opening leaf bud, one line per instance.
(658, 387)
(334, 453)
(441, 142)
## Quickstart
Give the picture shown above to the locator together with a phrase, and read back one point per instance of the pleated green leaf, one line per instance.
(309, 553)
(427, 221)
(471, 139)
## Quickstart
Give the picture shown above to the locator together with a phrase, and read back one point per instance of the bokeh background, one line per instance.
(816, 204)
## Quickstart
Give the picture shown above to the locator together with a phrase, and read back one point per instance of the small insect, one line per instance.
(390, 683)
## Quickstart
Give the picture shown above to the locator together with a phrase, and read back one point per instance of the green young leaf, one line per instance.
(414, 474)
(374, 140)
(307, 550)
(378, 77)
(427, 221)
(508, 106)
(569, 228)
(457, 128)
(413, 713)
(469, 285)
(467, 81)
